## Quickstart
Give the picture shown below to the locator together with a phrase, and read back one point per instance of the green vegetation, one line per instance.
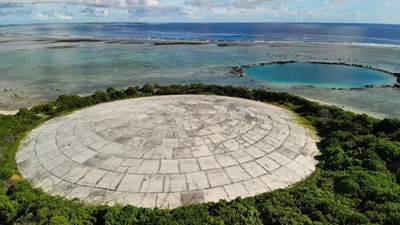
(356, 182)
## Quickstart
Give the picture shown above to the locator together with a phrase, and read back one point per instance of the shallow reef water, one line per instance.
(43, 65)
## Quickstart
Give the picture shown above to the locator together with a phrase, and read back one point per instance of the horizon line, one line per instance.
(191, 22)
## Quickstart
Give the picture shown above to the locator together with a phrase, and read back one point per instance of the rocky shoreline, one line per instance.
(238, 70)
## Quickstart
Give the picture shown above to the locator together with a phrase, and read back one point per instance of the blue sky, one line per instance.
(56, 11)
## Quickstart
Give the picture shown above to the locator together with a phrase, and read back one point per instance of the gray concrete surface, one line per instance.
(168, 151)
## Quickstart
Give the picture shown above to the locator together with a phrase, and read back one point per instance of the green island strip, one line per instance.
(356, 181)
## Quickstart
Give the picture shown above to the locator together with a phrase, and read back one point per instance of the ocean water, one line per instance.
(322, 75)
(239, 32)
(40, 62)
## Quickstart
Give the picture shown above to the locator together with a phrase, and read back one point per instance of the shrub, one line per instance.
(148, 89)
(347, 185)
(132, 91)
(8, 210)
(101, 96)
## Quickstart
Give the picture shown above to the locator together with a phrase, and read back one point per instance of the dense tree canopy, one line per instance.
(356, 182)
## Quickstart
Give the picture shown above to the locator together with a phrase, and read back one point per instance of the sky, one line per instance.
(68, 11)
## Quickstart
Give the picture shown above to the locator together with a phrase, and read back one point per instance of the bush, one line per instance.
(347, 185)
(101, 96)
(398, 176)
(132, 91)
(148, 89)
(8, 210)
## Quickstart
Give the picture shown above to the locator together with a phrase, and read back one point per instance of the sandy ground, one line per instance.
(8, 112)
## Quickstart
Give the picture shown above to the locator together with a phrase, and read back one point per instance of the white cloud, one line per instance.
(59, 16)
(96, 11)
(7, 9)
(159, 11)
(252, 3)
(109, 3)
(40, 16)
(201, 3)
(230, 4)
(200, 10)
(52, 16)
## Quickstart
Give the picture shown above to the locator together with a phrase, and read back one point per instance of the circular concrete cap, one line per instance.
(168, 151)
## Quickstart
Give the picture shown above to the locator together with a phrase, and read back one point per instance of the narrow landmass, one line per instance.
(62, 47)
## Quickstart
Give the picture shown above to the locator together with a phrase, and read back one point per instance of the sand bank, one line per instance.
(8, 112)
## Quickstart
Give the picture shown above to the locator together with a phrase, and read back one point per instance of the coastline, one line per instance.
(67, 39)
(8, 112)
(219, 43)
(347, 108)
(288, 43)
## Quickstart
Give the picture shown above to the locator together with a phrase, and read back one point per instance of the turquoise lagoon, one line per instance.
(322, 75)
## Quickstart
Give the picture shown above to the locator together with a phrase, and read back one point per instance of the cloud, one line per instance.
(96, 11)
(201, 3)
(108, 3)
(9, 5)
(230, 4)
(59, 16)
(252, 3)
(48, 17)
(28, 11)
(12, 8)
(158, 11)
(40, 16)
(335, 2)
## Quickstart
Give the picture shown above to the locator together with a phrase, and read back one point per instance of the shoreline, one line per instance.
(8, 112)
(157, 41)
(238, 70)
(347, 108)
